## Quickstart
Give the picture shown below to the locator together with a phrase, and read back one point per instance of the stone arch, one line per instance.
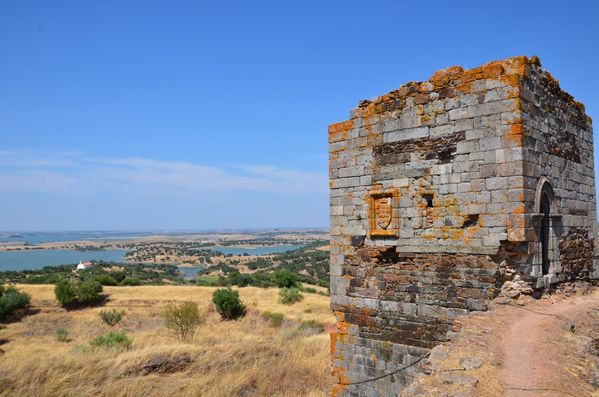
(547, 223)
(545, 192)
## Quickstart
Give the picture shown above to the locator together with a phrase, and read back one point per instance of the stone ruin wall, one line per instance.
(433, 206)
(558, 144)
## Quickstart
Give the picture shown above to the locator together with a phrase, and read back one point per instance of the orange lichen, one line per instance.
(492, 69)
(471, 233)
(443, 76)
(338, 131)
(464, 88)
(520, 208)
(428, 236)
(516, 134)
(451, 233)
(514, 234)
(511, 79)
(469, 76)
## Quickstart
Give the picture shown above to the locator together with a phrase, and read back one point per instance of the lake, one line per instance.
(53, 237)
(190, 272)
(37, 259)
(269, 249)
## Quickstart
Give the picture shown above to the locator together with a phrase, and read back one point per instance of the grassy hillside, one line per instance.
(248, 357)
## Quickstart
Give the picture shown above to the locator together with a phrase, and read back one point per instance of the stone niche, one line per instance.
(441, 191)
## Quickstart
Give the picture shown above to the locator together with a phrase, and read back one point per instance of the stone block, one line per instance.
(406, 134)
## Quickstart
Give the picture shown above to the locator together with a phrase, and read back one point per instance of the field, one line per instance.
(247, 357)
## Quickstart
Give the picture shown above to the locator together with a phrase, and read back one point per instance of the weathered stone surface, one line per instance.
(469, 363)
(459, 379)
(443, 194)
(576, 254)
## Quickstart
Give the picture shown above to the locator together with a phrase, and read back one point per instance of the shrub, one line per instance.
(183, 319)
(106, 279)
(84, 292)
(274, 319)
(114, 340)
(207, 281)
(285, 279)
(289, 296)
(241, 280)
(311, 327)
(310, 290)
(11, 299)
(228, 304)
(36, 280)
(66, 292)
(130, 281)
(111, 317)
(118, 276)
(62, 334)
(89, 291)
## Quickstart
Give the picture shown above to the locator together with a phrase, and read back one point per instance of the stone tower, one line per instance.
(441, 191)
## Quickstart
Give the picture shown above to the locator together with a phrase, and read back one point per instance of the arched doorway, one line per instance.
(545, 210)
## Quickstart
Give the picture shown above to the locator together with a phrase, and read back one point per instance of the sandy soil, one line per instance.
(544, 348)
(534, 356)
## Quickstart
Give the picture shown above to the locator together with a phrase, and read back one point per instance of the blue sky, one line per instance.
(202, 115)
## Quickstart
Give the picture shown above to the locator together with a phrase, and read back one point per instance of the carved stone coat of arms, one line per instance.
(383, 212)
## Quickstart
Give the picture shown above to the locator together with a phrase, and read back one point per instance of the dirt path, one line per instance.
(531, 364)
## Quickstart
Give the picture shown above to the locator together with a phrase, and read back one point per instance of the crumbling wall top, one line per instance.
(445, 81)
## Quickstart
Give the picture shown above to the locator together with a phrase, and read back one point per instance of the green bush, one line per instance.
(310, 290)
(118, 276)
(228, 304)
(35, 280)
(114, 340)
(289, 296)
(66, 292)
(89, 291)
(106, 279)
(62, 334)
(130, 281)
(285, 279)
(11, 299)
(241, 280)
(70, 293)
(183, 319)
(207, 281)
(274, 319)
(111, 317)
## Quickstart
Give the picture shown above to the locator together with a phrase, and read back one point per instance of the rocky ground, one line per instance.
(521, 347)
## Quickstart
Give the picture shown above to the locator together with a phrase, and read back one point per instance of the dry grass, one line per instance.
(228, 358)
